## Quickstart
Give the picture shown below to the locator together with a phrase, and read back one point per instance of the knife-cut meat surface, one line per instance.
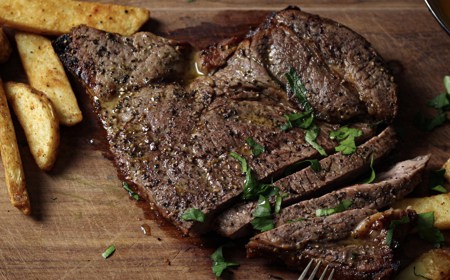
(171, 133)
(353, 243)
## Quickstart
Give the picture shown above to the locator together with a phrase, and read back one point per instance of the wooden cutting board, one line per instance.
(80, 208)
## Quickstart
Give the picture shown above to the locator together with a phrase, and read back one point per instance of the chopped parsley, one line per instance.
(303, 120)
(130, 191)
(436, 181)
(427, 230)
(372, 173)
(298, 88)
(262, 216)
(346, 137)
(219, 264)
(252, 188)
(441, 104)
(193, 214)
(109, 251)
(392, 226)
(256, 148)
(341, 207)
(311, 136)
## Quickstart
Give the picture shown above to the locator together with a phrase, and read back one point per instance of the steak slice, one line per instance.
(171, 134)
(390, 186)
(353, 243)
(335, 170)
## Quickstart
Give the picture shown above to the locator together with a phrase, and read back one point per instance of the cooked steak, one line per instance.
(171, 134)
(390, 186)
(352, 243)
(335, 170)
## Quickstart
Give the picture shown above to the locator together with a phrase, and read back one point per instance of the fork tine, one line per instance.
(305, 271)
(313, 274)
(331, 275)
(322, 277)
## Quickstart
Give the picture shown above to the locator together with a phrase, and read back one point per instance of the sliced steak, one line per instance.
(335, 170)
(390, 186)
(353, 243)
(171, 134)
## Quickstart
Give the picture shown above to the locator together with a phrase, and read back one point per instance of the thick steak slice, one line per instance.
(390, 186)
(335, 170)
(353, 243)
(171, 134)
(345, 77)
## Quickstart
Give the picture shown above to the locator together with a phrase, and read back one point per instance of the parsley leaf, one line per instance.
(342, 206)
(442, 105)
(299, 90)
(242, 160)
(372, 173)
(130, 191)
(256, 148)
(447, 83)
(253, 188)
(262, 216)
(109, 251)
(278, 200)
(303, 120)
(193, 214)
(346, 137)
(426, 229)
(436, 180)
(392, 226)
(219, 263)
(311, 136)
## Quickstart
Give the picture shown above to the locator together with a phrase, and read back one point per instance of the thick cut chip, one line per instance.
(35, 113)
(14, 175)
(55, 17)
(430, 265)
(46, 73)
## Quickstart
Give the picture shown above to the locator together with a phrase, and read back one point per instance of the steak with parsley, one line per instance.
(171, 134)
(334, 170)
(355, 243)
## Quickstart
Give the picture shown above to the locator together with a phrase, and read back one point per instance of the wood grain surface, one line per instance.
(80, 208)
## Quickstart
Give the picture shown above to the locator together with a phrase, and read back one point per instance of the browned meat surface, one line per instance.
(353, 243)
(171, 135)
(390, 186)
(335, 170)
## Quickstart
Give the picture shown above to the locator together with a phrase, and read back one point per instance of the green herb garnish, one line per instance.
(346, 137)
(108, 252)
(242, 160)
(436, 181)
(298, 89)
(311, 136)
(303, 120)
(427, 230)
(256, 148)
(392, 226)
(193, 214)
(372, 173)
(253, 188)
(441, 104)
(130, 191)
(342, 206)
(278, 201)
(219, 263)
(262, 216)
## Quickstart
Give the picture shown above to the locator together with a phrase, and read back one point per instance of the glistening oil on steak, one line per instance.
(172, 136)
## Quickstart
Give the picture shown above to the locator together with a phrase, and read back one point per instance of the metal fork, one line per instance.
(314, 272)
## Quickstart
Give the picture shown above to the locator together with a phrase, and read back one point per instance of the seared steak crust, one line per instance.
(171, 135)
